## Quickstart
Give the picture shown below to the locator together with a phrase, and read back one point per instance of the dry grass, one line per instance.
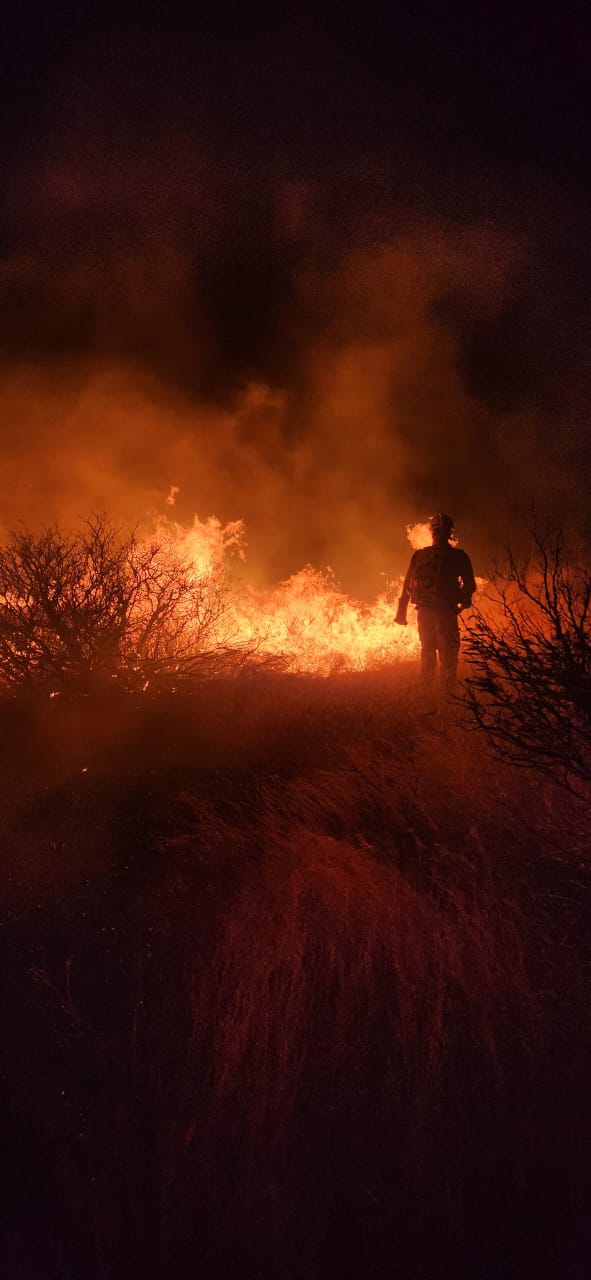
(308, 1000)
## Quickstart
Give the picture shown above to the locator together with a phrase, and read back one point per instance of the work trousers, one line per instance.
(439, 634)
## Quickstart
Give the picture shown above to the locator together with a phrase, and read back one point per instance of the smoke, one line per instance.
(327, 355)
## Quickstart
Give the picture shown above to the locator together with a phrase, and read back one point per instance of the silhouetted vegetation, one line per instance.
(78, 610)
(529, 648)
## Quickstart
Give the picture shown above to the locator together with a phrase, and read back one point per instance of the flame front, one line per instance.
(307, 622)
(310, 622)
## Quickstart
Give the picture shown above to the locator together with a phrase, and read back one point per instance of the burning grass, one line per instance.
(81, 609)
(299, 987)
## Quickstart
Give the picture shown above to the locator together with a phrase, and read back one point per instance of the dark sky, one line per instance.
(327, 269)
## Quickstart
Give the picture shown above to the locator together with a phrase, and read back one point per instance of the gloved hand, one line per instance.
(400, 616)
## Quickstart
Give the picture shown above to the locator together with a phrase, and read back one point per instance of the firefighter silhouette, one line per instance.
(440, 583)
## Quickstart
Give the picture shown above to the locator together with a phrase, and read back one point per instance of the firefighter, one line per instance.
(440, 583)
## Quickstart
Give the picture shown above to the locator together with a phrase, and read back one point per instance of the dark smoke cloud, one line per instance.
(215, 275)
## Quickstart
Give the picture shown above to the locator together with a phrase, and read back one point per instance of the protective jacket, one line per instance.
(438, 578)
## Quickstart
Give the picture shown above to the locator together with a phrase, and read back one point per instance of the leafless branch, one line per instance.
(77, 609)
(528, 647)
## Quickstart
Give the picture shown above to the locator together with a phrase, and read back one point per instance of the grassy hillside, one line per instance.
(297, 985)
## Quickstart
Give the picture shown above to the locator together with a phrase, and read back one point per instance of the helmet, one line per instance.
(441, 524)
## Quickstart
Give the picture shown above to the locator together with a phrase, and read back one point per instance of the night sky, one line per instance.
(325, 269)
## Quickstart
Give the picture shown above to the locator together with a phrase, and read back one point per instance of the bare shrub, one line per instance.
(529, 650)
(77, 610)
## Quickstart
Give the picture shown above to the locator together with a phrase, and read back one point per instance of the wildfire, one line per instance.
(307, 621)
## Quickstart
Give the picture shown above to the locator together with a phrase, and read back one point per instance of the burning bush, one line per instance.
(78, 610)
(529, 648)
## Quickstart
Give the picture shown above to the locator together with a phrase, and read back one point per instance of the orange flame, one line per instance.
(306, 621)
(419, 535)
